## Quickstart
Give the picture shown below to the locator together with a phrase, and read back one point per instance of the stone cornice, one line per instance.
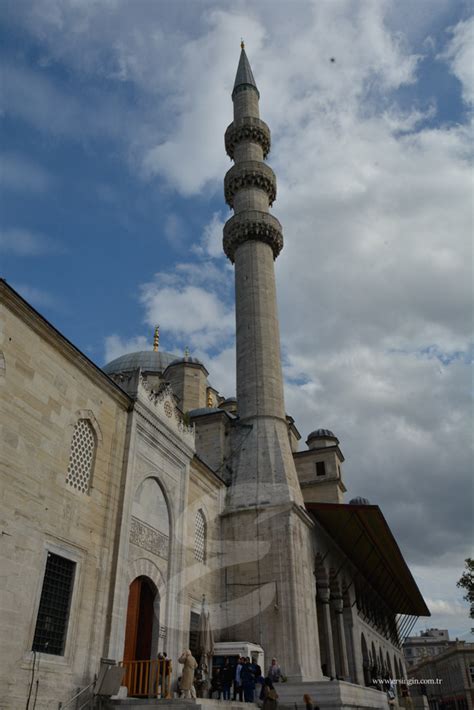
(252, 225)
(323, 450)
(247, 128)
(248, 174)
(29, 315)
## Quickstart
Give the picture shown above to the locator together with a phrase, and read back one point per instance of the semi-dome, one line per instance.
(146, 360)
(359, 501)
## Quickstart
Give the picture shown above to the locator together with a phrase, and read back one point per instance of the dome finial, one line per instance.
(156, 339)
(242, 43)
(186, 352)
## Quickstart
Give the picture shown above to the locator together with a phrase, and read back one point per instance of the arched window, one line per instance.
(200, 537)
(81, 459)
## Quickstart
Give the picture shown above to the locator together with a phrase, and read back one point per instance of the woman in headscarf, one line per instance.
(187, 677)
(274, 672)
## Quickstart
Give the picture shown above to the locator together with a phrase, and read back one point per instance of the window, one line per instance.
(194, 634)
(320, 468)
(200, 537)
(471, 673)
(53, 612)
(81, 460)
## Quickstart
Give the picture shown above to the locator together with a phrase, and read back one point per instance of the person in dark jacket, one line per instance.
(247, 676)
(216, 684)
(227, 678)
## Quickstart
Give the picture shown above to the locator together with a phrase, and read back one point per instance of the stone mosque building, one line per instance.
(131, 491)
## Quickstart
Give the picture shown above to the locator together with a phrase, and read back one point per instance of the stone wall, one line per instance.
(46, 388)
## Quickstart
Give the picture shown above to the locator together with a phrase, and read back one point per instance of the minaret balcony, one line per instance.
(252, 225)
(249, 174)
(248, 128)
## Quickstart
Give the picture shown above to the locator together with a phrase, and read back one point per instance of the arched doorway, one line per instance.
(142, 620)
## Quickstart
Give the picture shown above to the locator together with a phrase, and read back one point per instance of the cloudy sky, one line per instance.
(113, 114)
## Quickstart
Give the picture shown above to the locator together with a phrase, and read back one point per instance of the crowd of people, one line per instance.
(243, 682)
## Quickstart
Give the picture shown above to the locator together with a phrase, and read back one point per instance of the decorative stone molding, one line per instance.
(245, 87)
(248, 128)
(252, 225)
(163, 404)
(251, 173)
(148, 538)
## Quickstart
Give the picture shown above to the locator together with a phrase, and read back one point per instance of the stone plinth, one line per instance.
(330, 694)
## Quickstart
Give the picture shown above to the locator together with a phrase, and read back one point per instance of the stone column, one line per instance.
(324, 597)
(338, 607)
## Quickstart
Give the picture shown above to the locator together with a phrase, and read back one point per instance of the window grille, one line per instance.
(53, 613)
(200, 537)
(81, 459)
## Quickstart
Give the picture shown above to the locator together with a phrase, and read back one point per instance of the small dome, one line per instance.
(146, 360)
(359, 501)
(184, 360)
(322, 434)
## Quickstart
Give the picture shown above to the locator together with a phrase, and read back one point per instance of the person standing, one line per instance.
(227, 676)
(187, 677)
(274, 672)
(238, 680)
(247, 676)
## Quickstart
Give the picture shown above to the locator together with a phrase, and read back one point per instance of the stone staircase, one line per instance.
(177, 704)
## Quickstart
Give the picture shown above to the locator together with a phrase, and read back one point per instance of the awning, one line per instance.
(363, 534)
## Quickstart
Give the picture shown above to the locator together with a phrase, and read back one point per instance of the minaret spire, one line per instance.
(244, 76)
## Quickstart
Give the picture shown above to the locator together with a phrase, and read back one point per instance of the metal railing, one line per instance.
(77, 696)
(148, 679)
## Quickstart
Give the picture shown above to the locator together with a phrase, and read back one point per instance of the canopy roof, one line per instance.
(363, 534)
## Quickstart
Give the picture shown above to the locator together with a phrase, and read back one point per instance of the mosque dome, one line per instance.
(359, 501)
(146, 360)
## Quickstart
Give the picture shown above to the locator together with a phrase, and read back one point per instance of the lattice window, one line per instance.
(81, 459)
(53, 613)
(200, 537)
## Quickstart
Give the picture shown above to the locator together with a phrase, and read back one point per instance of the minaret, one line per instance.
(270, 591)
(252, 240)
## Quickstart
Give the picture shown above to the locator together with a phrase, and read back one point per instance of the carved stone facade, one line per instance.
(149, 539)
(251, 174)
(252, 226)
(248, 129)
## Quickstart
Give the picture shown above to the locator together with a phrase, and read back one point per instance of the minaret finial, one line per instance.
(156, 339)
(242, 43)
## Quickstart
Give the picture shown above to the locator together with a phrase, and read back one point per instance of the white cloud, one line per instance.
(192, 314)
(115, 346)
(446, 608)
(211, 242)
(460, 56)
